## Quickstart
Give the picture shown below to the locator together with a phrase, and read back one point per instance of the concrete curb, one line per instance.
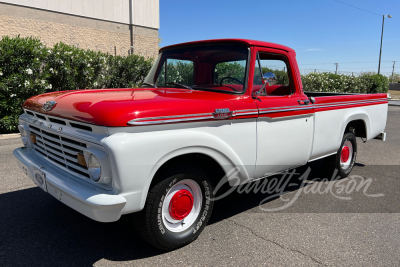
(9, 136)
(394, 103)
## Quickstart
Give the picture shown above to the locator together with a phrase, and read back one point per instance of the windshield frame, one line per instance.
(155, 70)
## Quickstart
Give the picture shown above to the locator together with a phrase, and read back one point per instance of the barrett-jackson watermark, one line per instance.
(277, 186)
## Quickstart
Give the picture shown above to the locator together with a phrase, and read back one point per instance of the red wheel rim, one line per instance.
(344, 157)
(181, 204)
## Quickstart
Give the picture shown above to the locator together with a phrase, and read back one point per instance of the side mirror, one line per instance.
(269, 78)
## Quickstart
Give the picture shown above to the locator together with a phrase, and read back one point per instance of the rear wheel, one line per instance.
(344, 159)
(177, 209)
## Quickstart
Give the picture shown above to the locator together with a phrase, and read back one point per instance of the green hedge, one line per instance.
(328, 82)
(28, 68)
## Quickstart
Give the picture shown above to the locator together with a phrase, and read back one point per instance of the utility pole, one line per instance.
(394, 62)
(337, 65)
(380, 52)
(131, 26)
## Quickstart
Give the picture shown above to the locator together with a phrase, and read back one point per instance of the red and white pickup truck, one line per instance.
(205, 108)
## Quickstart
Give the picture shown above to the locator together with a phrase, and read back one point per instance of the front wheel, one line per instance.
(345, 157)
(177, 209)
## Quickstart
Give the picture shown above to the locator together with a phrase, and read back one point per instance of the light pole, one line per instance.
(380, 52)
(394, 62)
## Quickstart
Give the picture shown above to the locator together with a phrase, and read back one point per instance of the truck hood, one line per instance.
(116, 107)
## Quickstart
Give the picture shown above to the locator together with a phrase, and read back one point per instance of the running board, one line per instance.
(381, 136)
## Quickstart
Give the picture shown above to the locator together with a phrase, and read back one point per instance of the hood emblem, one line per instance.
(49, 105)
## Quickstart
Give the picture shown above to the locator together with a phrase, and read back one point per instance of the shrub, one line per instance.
(328, 82)
(27, 68)
(73, 68)
(22, 75)
(123, 72)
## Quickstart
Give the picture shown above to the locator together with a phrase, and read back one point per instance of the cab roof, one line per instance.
(240, 41)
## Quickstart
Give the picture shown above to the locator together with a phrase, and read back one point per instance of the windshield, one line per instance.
(221, 68)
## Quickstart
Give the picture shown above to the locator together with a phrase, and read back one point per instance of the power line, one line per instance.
(358, 8)
(363, 68)
(345, 63)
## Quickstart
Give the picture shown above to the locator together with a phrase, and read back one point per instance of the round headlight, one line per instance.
(94, 167)
(24, 134)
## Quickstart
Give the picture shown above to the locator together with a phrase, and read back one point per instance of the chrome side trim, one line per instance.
(276, 108)
(169, 119)
(284, 110)
(245, 112)
(270, 174)
(347, 104)
(350, 103)
(324, 156)
(290, 116)
(353, 102)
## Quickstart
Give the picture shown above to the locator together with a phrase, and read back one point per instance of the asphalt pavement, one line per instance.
(319, 227)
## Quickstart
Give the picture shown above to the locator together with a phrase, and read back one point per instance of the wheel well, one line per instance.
(204, 162)
(358, 128)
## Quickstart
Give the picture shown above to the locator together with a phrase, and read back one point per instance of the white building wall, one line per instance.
(144, 12)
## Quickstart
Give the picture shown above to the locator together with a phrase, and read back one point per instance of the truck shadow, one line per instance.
(239, 200)
(38, 230)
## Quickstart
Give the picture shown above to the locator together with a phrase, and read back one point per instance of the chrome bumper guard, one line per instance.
(381, 136)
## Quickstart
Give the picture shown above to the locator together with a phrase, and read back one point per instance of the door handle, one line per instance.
(304, 102)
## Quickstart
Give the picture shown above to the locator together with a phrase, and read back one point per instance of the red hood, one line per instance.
(115, 107)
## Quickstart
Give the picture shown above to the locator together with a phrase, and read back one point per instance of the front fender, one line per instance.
(136, 157)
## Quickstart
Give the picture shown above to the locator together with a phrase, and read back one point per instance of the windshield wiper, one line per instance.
(150, 84)
(181, 85)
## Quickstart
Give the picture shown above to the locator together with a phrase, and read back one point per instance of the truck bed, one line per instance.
(334, 111)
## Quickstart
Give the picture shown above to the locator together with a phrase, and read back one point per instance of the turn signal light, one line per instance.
(81, 160)
(33, 138)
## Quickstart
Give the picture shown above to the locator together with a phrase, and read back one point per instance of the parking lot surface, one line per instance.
(321, 227)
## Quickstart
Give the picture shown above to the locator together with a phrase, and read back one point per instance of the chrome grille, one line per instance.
(75, 125)
(60, 150)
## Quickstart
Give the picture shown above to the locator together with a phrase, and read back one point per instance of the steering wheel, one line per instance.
(237, 80)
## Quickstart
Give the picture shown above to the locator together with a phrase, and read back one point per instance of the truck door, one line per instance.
(286, 117)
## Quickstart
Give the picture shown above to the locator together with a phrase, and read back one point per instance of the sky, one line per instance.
(322, 32)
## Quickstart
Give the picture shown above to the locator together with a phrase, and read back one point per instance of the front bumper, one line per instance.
(89, 200)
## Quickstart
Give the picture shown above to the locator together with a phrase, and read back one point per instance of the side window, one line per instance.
(275, 74)
(176, 71)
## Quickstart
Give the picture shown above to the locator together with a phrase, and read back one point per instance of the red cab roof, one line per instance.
(242, 41)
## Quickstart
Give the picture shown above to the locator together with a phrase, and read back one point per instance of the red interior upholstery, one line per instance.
(275, 89)
(278, 90)
(238, 87)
